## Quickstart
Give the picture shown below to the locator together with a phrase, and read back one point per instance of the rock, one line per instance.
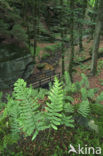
(13, 63)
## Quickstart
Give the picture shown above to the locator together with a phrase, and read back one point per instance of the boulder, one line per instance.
(15, 62)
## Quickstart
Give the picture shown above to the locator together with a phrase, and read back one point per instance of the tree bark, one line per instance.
(62, 37)
(83, 7)
(35, 26)
(71, 39)
(96, 39)
(93, 18)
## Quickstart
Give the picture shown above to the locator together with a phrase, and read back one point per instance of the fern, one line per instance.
(67, 120)
(84, 93)
(67, 79)
(68, 108)
(91, 93)
(42, 93)
(14, 114)
(69, 86)
(28, 107)
(84, 82)
(99, 98)
(31, 120)
(26, 116)
(55, 106)
(2, 104)
(84, 108)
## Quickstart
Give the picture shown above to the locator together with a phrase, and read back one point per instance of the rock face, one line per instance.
(15, 62)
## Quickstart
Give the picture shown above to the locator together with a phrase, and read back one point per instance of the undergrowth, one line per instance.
(70, 108)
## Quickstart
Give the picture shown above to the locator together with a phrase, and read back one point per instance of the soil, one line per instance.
(95, 80)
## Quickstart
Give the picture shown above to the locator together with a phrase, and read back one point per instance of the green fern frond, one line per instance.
(84, 93)
(28, 106)
(31, 120)
(67, 79)
(91, 93)
(84, 108)
(69, 86)
(99, 98)
(67, 120)
(68, 108)
(69, 98)
(55, 106)
(15, 128)
(84, 82)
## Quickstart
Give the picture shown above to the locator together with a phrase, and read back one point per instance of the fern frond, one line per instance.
(67, 79)
(68, 108)
(68, 82)
(84, 93)
(69, 98)
(67, 120)
(69, 86)
(84, 108)
(84, 82)
(55, 106)
(99, 98)
(91, 93)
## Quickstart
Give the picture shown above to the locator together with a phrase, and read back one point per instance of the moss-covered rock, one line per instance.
(15, 62)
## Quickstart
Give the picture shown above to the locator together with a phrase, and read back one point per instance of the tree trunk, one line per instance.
(62, 37)
(93, 18)
(71, 39)
(35, 26)
(83, 7)
(97, 39)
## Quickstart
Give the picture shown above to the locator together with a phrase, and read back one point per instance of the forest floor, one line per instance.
(57, 142)
(95, 81)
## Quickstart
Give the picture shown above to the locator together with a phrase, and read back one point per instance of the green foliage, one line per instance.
(5, 135)
(100, 50)
(84, 82)
(69, 86)
(100, 66)
(53, 48)
(37, 50)
(84, 108)
(18, 30)
(87, 96)
(2, 104)
(45, 56)
(99, 98)
(91, 3)
(25, 116)
(4, 27)
(56, 106)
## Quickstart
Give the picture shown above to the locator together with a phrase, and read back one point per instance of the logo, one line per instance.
(85, 150)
